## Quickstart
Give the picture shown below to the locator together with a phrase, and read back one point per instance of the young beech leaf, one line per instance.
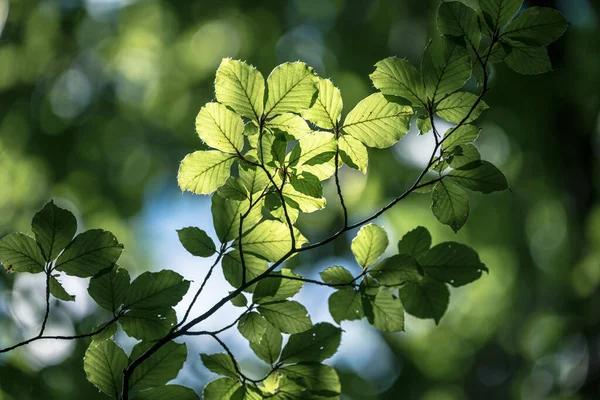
(153, 290)
(232, 268)
(291, 125)
(53, 228)
(222, 389)
(20, 253)
(291, 87)
(233, 189)
(456, 19)
(536, 26)
(239, 301)
(415, 243)
(89, 253)
(196, 241)
(353, 153)
(268, 347)
(320, 379)
(450, 204)
(369, 244)
(336, 275)
(396, 270)
(425, 299)
(220, 364)
(226, 216)
(202, 172)
(270, 240)
(461, 106)
(103, 364)
(57, 290)
(463, 156)
(528, 60)
(445, 68)
(484, 177)
(398, 77)
(453, 263)
(241, 87)
(301, 201)
(346, 304)
(497, 13)
(168, 392)
(252, 326)
(148, 324)
(109, 288)
(220, 128)
(376, 122)
(314, 153)
(288, 316)
(253, 178)
(104, 332)
(463, 134)
(316, 344)
(424, 125)
(159, 368)
(307, 184)
(327, 109)
(384, 311)
(277, 287)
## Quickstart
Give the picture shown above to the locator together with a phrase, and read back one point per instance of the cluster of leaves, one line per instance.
(272, 143)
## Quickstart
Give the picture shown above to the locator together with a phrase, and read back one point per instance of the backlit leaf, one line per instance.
(89, 253)
(241, 87)
(202, 172)
(196, 241)
(20, 253)
(450, 205)
(398, 77)
(327, 109)
(291, 87)
(220, 128)
(53, 228)
(369, 244)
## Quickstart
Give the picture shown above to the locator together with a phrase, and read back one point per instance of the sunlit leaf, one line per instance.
(450, 205)
(464, 155)
(277, 286)
(232, 268)
(398, 77)
(202, 172)
(291, 124)
(445, 68)
(162, 366)
(301, 201)
(153, 290)
(53, 228)
(384, 311)
(270, 240)
(109, 289)
(269, 346)
(396, 270)
(291, 87)
(484, 177)
(220, 364)
(288, 316)
(168, 392)
(221, 389)
(226, 216)
(20, 253)
(254, 178)
(346, 304)
(307, 184)
(89, 253)
(103, 364)
(240, 300)
(327, 109)
(320, 379)
(252, 326)
(336, 275)
(353, 153)
(314, 153)
(220, 128)
(464, 134)
(58, 291)
(148, 324)
(461, 106)
(376, 122)
(369, 244)
(316, 344)
(233, 189)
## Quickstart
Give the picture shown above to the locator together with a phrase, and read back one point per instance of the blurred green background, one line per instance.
(97, 106)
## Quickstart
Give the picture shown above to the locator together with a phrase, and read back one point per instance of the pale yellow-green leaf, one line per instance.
(202, 172)
(220, 128)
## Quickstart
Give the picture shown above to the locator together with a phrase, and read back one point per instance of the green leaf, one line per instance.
(196, 241)
(464, 134)
(424, 125)
(202, 172)
(384, 312)
(303, 202)
(346, 304)
(241, 87)
(314, 153)
(528, 60)
(291, 87)
(369, 244)
(159, 368)
(270, 240)
(168, 392)
(233, 189)
(461, 106)
(239, 301)
(269, 346)
(376, 122)
(58, 291)
(484, 177)
(327, 109)
(53, 228)
(148, 324)
(308, 184)
(275, 206)
(536, 26)
(463, 156)
(220, 364)
(499, 12)
(20, 253)
(316, 344)
(254, 178)
(353, 153)
(456, 19)
(226, 216)
(276, 287)
(220, 128)
(415, 243)
(153, 290)
(107, 333)
(450, 205)
(252, 326)
(288, 316)
(336, 275)
(319, 379)
(103, 364)
(109, 288)
(232, 268)
(398, 77)
(396, 270)
(291, 124)
(89, 253)
(453, 263)
(425, 299)
(445, 69)
(221, 389)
